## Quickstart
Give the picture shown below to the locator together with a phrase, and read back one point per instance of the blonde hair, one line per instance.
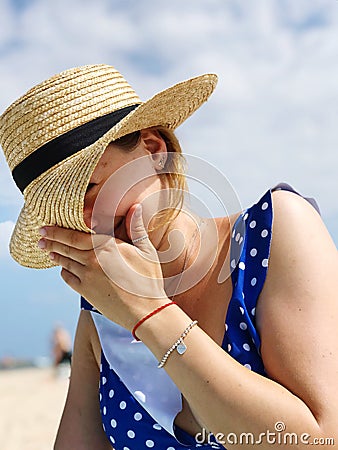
(172, 176)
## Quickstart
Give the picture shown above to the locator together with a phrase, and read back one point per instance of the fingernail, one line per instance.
(42, 244)
(138, 210)
(51, 256)
(43, 231)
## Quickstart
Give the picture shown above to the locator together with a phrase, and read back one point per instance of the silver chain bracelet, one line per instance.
(179, 345)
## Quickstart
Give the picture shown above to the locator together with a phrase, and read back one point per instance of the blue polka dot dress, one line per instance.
(126, 419)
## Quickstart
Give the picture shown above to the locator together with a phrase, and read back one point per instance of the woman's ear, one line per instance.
(156, 146)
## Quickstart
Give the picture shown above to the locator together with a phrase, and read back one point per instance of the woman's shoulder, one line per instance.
(296, 222)
(302, 256)
(282, 204)
(280, 223)
(297, 229)
(289, 206)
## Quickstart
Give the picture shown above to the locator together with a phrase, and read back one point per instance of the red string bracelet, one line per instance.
(140, 322)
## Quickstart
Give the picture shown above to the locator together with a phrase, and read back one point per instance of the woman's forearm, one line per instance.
(228, 398)
(80, 427)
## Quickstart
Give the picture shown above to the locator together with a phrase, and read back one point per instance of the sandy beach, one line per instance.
(31, 403)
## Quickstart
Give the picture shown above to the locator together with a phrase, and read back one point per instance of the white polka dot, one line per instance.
(104, 410)
(247, 366)
(253, 281)
(100, 367)
(111, 393)
(150, 443)
(252, 224)
(170, 448)
(237, 237)
(123, 405)
(138, 416)
(140, 395)
(241, 309)
(253, 311)
(241, 240)
(104, 380)
(131, 434)
(245, 216)
(253, 252)
(241, 265)
(246, 347)
(112, 439)
(265, 262)
(157, 426)
(264, 233)
(233, 263)
(226, 327)
(113, 423)
(233, 233)
(104, 428)
(243, 326)
(229, 347)
(100, 397)
(126, 448)
(265, 206)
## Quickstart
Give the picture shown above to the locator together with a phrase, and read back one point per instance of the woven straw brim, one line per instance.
(60, 104)
(57, 196)
(54, 198)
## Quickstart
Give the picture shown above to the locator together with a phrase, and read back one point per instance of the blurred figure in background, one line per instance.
(62, 350)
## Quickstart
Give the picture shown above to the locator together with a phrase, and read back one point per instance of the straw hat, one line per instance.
(54, 135)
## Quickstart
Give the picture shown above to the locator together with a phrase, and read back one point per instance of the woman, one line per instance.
(184, 354)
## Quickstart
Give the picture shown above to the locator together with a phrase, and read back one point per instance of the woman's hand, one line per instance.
(123, 281)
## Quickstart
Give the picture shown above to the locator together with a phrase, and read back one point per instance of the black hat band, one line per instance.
(64, 146)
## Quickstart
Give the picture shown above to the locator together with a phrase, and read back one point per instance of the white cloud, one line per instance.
(6, 229)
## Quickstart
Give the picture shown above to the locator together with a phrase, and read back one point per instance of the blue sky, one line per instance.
(272, 118)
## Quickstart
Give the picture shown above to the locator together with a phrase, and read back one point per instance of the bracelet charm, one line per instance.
(179, 345)
(181, 348)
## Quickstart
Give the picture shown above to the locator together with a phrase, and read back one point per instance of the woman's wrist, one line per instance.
(141, 309)
(161, 330)
(148, 316)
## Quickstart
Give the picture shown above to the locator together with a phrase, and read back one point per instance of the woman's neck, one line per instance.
(189, 250)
